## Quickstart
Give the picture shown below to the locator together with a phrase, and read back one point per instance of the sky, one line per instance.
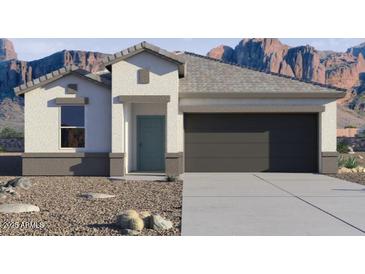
(33, 48)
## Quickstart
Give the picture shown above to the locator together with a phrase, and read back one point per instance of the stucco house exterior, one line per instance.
(158, 111)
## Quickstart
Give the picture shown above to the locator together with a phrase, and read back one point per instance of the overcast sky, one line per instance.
(31, 49)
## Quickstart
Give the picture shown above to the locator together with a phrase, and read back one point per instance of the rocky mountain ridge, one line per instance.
(340, 69)
(14, 72)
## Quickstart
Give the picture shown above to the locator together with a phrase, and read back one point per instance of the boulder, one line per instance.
(8, 190)
(21, 182)
(131, 213)
(18, 208)
(129, 219)
(343, 170)
(136, 224)
(93, 195)
(159, 223)
(146, 217)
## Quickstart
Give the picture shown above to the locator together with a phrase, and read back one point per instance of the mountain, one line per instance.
(340, 69)
(14, 72)
(7, 51)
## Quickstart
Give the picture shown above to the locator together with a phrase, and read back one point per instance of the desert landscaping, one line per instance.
(89, 206)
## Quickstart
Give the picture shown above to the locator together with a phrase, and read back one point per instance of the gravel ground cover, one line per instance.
(352, 177)
(63, 212)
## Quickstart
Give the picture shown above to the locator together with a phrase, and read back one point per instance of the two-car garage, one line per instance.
(251, 142)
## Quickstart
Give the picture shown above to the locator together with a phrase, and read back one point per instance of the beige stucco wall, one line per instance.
(328, 127)
(42, 116)
(164, 80)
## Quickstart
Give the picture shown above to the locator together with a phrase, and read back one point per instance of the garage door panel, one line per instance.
(225, 165)
(251, 122)
(224, 137)
(251, 137)
(247, 150)
(251, 142)
(247, 165)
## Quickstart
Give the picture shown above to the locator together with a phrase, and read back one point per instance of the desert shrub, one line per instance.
(350, 162)
(342, 147)
(7, 133)
(172, 178)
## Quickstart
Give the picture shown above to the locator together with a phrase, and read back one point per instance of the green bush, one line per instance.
(351, 162)
(7, 133)
(342, 147)
(172, 178)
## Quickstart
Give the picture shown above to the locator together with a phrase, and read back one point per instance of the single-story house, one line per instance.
(175, 112)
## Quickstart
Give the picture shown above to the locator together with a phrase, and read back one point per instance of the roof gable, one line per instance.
(144, 46)
(57, 74)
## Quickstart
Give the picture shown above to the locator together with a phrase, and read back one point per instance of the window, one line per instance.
(72, 126)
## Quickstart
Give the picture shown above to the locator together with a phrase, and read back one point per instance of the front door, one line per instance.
(151, 143)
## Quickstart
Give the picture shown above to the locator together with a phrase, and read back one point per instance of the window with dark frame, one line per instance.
(72, 126)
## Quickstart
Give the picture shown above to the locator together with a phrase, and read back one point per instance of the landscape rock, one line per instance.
(136, 224)
(130, 232)
(129, 219)
(94, 195)
(146, 217)
(21, 182)
(18, 208)
(8, 190)
(159, 223)
(131, 213)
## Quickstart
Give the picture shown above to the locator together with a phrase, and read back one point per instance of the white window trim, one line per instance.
(60, 127)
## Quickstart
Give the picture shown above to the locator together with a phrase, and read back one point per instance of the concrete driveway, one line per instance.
(271, 204)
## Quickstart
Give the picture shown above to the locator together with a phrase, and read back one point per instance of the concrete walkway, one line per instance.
(271, 204)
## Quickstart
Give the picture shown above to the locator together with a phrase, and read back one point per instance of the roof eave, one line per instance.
(271, 95)
(51, 77)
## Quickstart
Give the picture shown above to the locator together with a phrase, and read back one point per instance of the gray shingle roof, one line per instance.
(208, 75)
(54, 75)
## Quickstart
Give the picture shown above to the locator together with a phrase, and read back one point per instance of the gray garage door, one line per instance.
(251, 142)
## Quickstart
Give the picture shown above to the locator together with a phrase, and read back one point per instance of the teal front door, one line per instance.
(151, 143)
